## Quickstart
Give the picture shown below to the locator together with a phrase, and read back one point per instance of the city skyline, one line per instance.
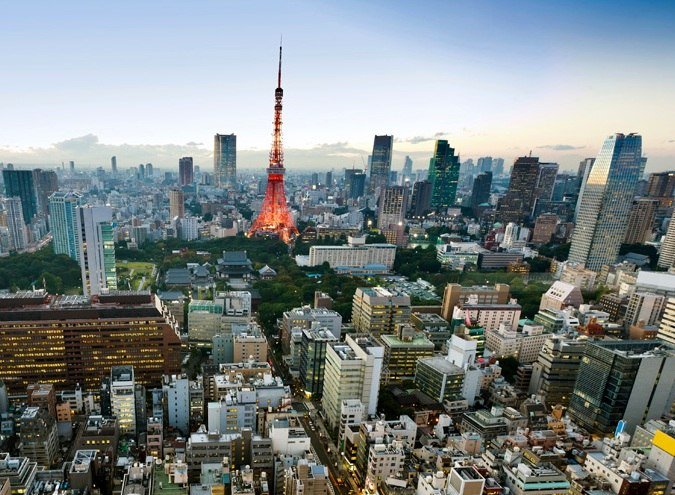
(124, 85)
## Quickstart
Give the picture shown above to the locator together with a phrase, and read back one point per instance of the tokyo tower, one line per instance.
(274, 218)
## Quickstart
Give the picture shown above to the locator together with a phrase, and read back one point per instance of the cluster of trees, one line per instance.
(43, 269)
(294, 286)
(558, 252)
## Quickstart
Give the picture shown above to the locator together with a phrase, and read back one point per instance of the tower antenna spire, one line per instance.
(279, 79)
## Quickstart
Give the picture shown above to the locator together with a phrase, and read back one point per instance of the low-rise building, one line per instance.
(402, 351)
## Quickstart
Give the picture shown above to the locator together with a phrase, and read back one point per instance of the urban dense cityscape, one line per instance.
(445, 326)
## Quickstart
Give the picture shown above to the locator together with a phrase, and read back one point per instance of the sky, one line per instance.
(153, 81)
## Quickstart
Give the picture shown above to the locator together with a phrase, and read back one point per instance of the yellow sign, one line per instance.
(664, 442)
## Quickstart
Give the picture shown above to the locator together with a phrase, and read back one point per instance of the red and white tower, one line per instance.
(274, 217)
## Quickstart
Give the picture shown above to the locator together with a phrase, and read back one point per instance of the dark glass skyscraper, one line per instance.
(421, 198)
(225, 160)
(20, 183)
(518, 201)
(605, 204)
(185, 171)
(380, 163)
(355, 183)
(443, 175)
(46, 183)
(631, 380)
(481, 189)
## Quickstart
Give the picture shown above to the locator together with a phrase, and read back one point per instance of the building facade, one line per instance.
(443, 175)
(225, 160)
(605, 204)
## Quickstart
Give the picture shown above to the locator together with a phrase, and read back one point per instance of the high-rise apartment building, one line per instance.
(661, 186)
(186, 174)
(633, 380)
(122, 398)
(444, 175)
(115, 329)
(64, 223)
(391, 213)
(480, 193)
(380, 164)
(520, 197)
(18, 235)
(225, 160)
(645, 307)
(21, 184)
(378, 311)
(641, 220)
(177, 394)
(353, 371)
(667, 328)
(667, 254)
(176, 204)
(606, 200)
(97, 249)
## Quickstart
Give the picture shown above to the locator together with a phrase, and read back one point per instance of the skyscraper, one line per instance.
(641, 220)
(113, 165)
(355, 183)
(481, 190)
(63, 220)
(329, 179)
(585, 167)
(185, 171)
(421, 198)
(633, 380)
(46, 182)
(18, 237)
(381, 162)
(225, 160)
(606, 201)
(21, 183)
(407, 168)
(485, 164)
(176, 204)
(443, 175)
(545, 184)
(97, 249)
(497, 166)
(391, 212)
(519, 199)
(661, 185)
(667, 254)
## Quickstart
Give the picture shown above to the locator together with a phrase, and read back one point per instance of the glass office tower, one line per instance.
(443, 175)
(605, 204)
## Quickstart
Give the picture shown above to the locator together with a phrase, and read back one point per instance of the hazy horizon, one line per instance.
(82, 79)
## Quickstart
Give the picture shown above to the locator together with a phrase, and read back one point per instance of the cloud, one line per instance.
(671, 140)
(421, 139)
(560, 147)
(192, 143)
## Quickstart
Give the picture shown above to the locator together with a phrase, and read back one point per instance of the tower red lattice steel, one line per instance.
(274, 217)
